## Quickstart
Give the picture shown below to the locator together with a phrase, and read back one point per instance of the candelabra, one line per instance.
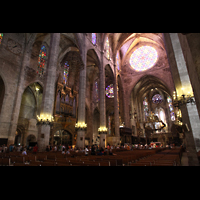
(81, 126)
(102, 130)
(45, 120)
(183, 99)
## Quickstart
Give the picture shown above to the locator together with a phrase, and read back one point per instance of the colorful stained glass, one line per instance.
(145, 106)
(96, 92)
(1, 37)
(110, 91)
(172, 116)
(94, 38)
(169, 100)
(157, 98)
(117, 61)
(41, 61)
(143, 58)
(66, 73)
(107, 47)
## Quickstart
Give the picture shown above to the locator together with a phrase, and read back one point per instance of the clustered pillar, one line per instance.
(189, 112)
(102, 102)
(80, 141)
(49, 91)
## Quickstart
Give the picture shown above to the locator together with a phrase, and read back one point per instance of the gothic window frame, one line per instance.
(110, 94)
(159, 98)
(118, 61)
(92, 36)
(1, 37)
(96, 91)
(143, 58)
(145, 107)
(44, 60)
(107, 49)
(171, 109)
(66, 69)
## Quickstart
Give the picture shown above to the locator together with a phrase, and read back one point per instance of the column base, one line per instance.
(80, 141)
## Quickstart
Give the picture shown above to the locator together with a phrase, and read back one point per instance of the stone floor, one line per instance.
(184, 159)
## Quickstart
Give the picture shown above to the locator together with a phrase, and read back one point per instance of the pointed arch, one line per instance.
(93, 57)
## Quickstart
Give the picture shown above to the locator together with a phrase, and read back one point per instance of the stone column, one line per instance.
(102, 103)
(49, 91)
(80, 141)
(189, 112)
(116, 110)
(20, 89)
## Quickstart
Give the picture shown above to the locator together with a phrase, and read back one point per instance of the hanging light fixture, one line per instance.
(45, 120)
(183, 99)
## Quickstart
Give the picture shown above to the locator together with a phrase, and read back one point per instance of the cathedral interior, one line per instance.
(100, 88)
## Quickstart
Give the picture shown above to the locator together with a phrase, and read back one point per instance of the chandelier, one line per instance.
(45, 120)
(80, 126)
(183, 99)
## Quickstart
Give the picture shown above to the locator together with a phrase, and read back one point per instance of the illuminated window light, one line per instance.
(143, 58)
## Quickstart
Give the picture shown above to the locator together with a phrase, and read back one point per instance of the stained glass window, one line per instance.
(110, 91)
(41, 60)
(96, 92)
(145, 106)
(66, 73)
(157, 98)
(107, 47)
(1, 37)
(171, 109)
(117, 61)
(94, 38)
(143, 58)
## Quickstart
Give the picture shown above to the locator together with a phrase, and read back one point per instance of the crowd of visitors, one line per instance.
(67, 149)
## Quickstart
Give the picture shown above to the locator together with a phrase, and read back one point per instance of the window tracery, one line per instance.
(110, 91)
(66, 73)
(171, 109)
(107, 48)
(1, 37)
(157, 98)
(94, 38)
(117, 61)
(41, 61)
(143, 58)
(145, 106)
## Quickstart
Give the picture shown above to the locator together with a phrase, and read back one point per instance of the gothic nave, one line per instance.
(81, 89)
